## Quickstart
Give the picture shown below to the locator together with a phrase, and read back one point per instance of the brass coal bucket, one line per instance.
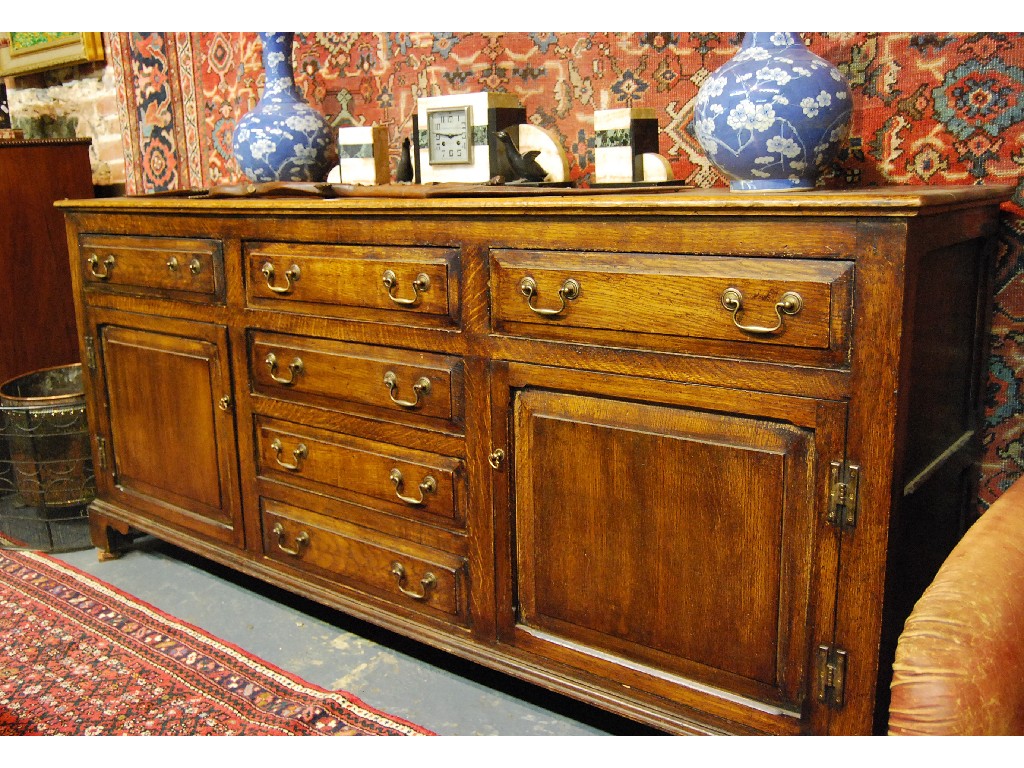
(44, 425)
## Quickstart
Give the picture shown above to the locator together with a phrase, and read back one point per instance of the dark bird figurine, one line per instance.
(524, 166)
(404, 172)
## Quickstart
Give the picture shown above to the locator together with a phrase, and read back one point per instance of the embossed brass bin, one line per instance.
(44, 426)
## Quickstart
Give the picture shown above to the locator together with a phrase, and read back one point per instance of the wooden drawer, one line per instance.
(190, 268)
(407, 575)
(340, 280)
(560, 294)
(412, 484)
(355, 376)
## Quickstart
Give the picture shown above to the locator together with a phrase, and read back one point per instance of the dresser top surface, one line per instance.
(32, 143)
(481, 200)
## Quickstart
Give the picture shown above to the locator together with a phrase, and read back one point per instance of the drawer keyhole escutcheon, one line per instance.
(295, 367)
(427, 485)
(789, 304)
(301, 541)
(569, 291)
(421, 387)
(108, 264)
(291, 276)
(419, 286)
(496, 457)
(427, 583)
(299, 453)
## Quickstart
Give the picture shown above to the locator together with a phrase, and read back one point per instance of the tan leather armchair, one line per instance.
(959, 666)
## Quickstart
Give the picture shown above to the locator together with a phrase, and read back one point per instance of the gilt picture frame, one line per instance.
(29, 52)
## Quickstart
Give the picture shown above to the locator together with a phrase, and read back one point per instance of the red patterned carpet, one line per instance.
(78, 657)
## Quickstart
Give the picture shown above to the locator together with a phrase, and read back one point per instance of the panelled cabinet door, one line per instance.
(678, 548)
(171, 450)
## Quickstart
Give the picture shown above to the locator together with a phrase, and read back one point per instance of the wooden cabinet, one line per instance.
(668, 533)
(168, 447)
(687, 456)
(37, 314)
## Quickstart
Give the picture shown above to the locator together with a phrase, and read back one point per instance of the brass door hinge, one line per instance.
(101, 452)
(842, 495)
(830, 673)
(90, 353)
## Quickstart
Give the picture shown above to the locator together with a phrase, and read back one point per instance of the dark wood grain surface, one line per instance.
(37, 315)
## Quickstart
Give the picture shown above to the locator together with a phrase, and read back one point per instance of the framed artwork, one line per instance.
(36, 51)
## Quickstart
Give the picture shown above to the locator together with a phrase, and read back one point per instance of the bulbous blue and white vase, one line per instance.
(283, 138)
(772, 117)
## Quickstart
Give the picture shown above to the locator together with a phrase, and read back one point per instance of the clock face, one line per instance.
(449, 136)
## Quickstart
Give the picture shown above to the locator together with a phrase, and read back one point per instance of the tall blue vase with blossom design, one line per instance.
(773, 116)
(283, 138)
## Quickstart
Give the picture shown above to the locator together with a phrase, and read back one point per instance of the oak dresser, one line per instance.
(687, 456)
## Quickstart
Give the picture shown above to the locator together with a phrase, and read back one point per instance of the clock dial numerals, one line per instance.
(449, 137)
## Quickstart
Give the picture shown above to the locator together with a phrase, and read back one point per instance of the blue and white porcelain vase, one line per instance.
(774, 115)
(283, 138)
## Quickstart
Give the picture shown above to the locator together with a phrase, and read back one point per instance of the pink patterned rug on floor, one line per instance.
(79, 657)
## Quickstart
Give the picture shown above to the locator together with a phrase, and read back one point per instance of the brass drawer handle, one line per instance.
(419, 286)
(295, 366)
(195, 266)
(301, 541)
(427, 583)
(421, 387)
(299, 453)
(427, 485)
(569, 291)
(789, 304)
(108, 264)
(291, 275)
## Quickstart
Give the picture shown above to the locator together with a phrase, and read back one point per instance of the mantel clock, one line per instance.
(455, 135)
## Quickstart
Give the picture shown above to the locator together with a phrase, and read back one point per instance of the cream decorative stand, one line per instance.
(683, 456)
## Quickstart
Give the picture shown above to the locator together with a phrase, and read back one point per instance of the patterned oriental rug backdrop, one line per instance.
(929, 108)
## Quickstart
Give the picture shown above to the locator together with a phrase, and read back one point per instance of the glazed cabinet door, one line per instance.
(671, 538)
(162, 389)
